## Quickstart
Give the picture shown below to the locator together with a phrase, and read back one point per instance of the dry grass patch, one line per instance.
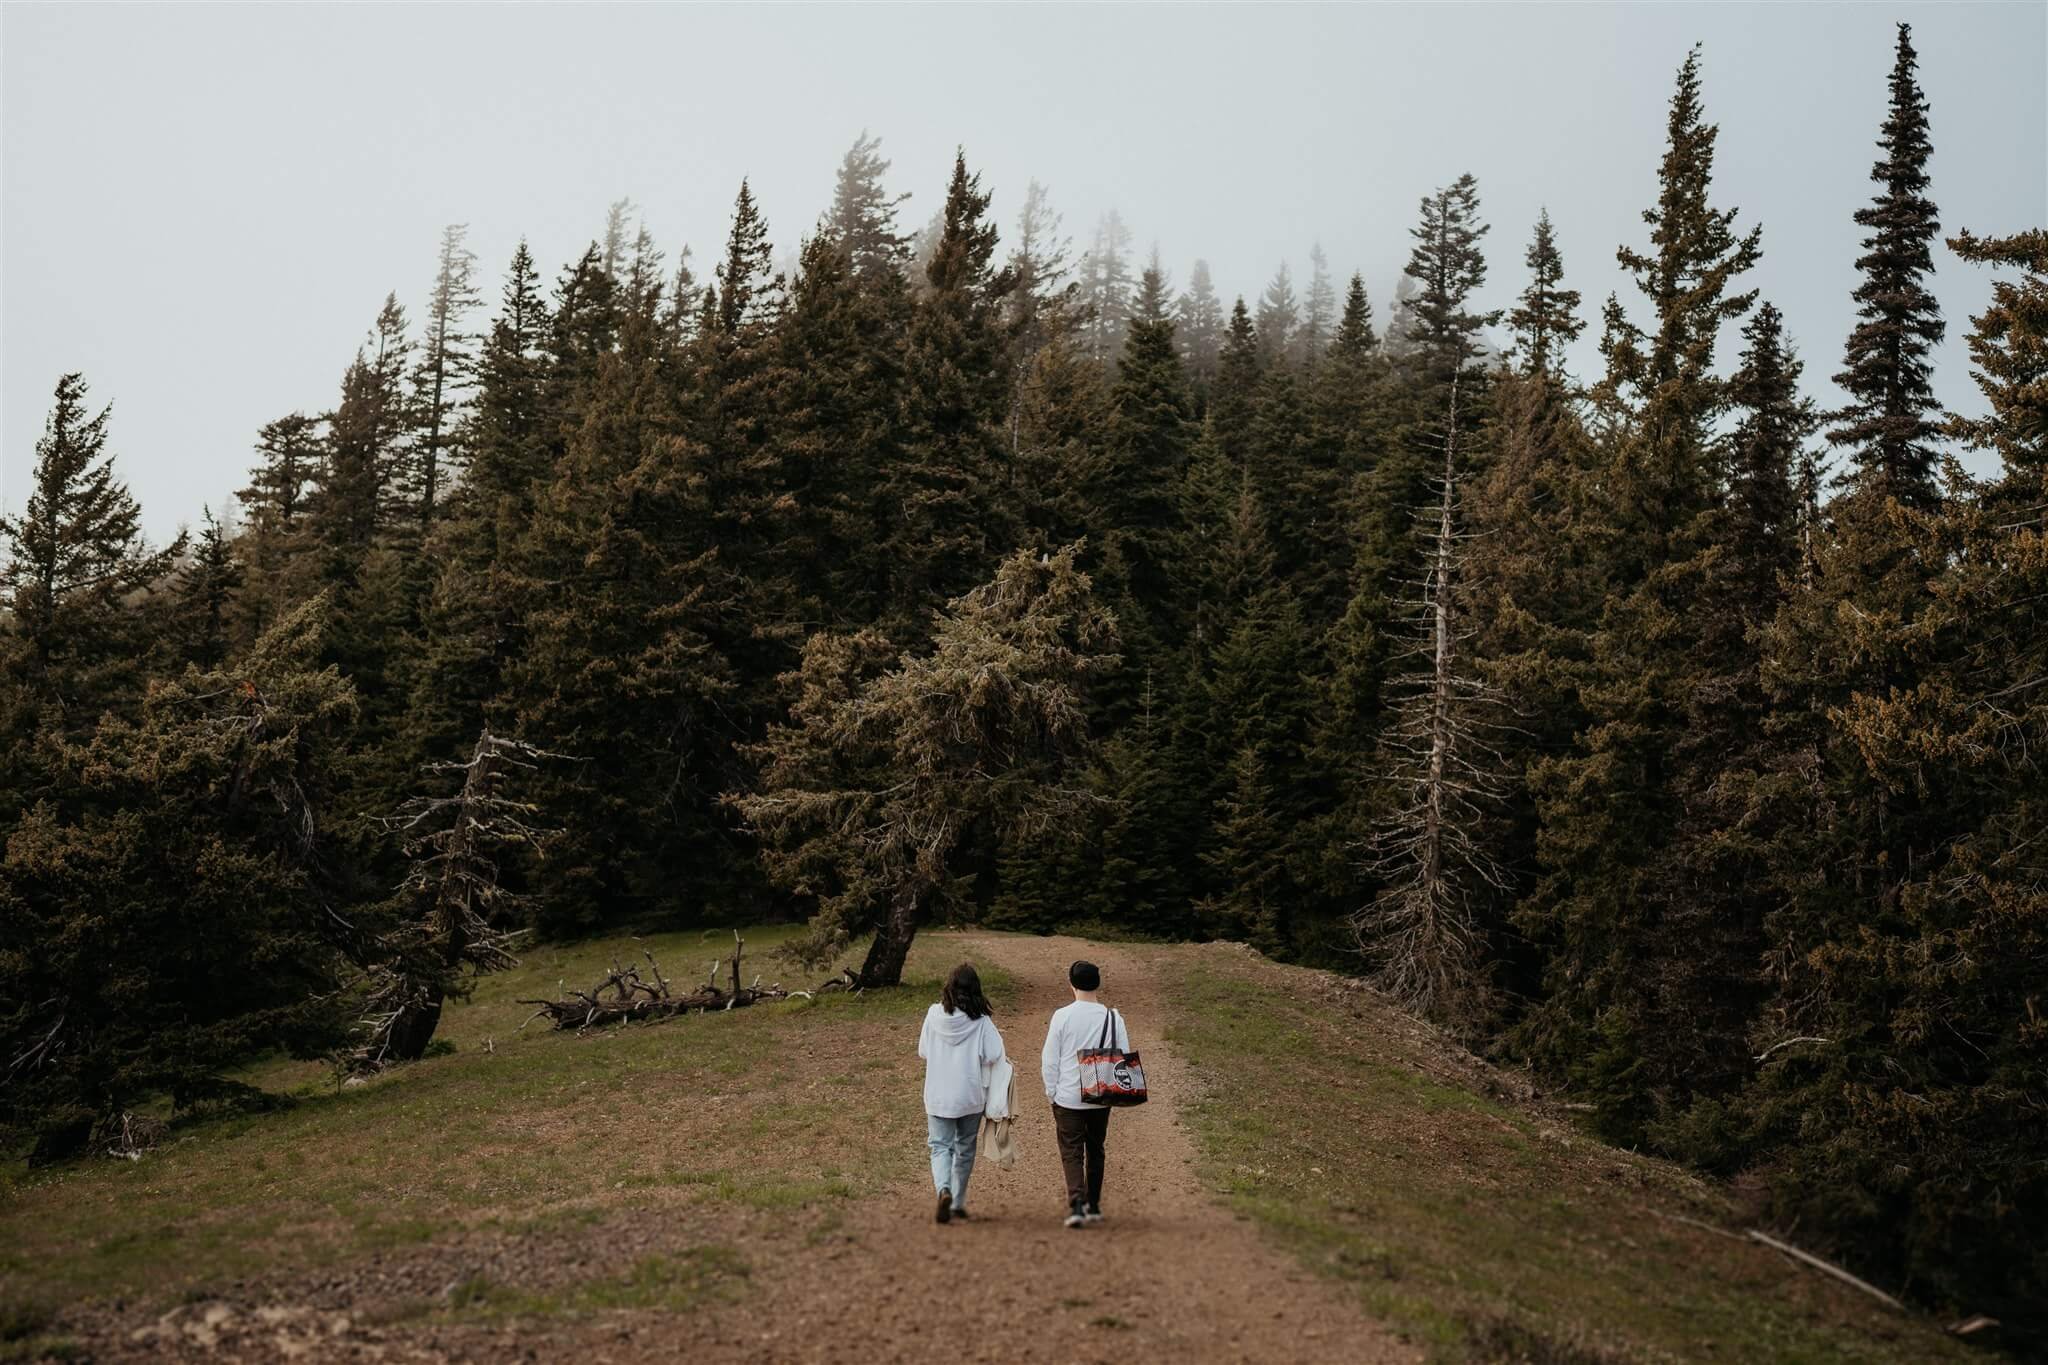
(1481, 1226)
(740, 1111)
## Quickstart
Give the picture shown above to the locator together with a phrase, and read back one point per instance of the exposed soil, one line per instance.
(1169, 1274)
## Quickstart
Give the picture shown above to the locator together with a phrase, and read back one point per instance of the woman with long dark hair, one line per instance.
(959, 1044)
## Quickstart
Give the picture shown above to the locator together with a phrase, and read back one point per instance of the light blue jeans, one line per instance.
(952, 1143)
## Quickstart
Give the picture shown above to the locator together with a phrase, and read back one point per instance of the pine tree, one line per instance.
(1198, 319)
(1059, 462)
(1889, 1097)
(1318, 310)
(622, 609)
(1146, 447)
(862, 219)
(1247, 860)
(1666, 464)
(2009, 346)
(1447, 266)
(445, 362)
(1547, 320)
(1106, 287)
(840, 363)
(357, 495)
(1141, 881)
(164, 920)
(748, 287)
(1443, 337)
(1279, 318)
(1233, 394)
(1739, 800)
(203, 593)
(288, 451)
(510, 453)
(1612, 912)
(74, 559)
(948, 489)
(583, 326)
(612, 259)
(291, 452)
(1354, 336)
(1889, 424)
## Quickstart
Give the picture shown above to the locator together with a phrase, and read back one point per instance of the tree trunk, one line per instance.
(884, 965)
(414, 1027)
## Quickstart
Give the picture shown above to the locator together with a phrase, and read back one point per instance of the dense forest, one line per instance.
(1652, 727)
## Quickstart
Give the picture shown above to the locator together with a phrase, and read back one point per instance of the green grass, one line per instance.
(1463, 1224)
(519, 1136)
(677, 1282)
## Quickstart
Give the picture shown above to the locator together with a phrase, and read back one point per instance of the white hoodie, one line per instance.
(957, 1051)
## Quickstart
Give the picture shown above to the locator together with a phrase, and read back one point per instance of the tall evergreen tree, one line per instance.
(445, 361)
(1233, 394)
(74, 559)
(1547, 319)
(1891, 419)
(1198, 318)
(203, 593)
(1278, 318)
(510, 453)
(356, 497)
(1889, 1102)
(1666, 472)
(1145, 449)
(1318, 309)
(291, 452)
(950, 487)
(862, 218)
(1611, 909)
(1106, 287)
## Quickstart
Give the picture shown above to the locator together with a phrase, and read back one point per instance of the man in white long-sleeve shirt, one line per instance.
(1080, 1127)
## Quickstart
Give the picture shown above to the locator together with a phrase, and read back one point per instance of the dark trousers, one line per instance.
(1081, 1132)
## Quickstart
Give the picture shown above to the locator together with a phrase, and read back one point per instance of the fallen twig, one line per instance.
(1827, 1268)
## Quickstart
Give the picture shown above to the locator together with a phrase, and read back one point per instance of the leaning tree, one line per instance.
(454, 910)
(873, 795)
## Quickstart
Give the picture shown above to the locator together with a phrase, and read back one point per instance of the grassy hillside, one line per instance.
(542, 1176)
(1486, 1228)
(512, 1132)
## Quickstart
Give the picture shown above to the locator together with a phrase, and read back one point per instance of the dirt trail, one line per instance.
(1169, 1274)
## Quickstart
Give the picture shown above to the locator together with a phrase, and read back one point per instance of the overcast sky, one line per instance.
(201, 207)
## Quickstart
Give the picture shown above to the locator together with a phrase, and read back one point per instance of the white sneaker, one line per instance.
(1091, 1215)
(1076, 1216)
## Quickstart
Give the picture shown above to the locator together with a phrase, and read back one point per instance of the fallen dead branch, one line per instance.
(1827, 1268)
(624, 996)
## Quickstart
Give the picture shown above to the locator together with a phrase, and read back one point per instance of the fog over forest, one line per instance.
(204, 206)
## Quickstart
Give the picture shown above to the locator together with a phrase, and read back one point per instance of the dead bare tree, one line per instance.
(633, 998)
(1422, 929)
(457, 932)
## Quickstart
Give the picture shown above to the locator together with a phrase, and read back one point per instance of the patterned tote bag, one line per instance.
(1109, 1076)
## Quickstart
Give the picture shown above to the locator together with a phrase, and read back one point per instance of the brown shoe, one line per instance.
(945, 1206)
